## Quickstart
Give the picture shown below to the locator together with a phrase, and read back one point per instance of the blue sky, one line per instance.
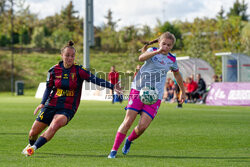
(138, 12)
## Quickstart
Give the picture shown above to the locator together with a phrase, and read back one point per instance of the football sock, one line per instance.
(133, 136)
(40, 142)
(32, 142)
(32, 139)
(118, 140)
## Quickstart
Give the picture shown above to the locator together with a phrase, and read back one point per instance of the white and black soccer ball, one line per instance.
(148, 95)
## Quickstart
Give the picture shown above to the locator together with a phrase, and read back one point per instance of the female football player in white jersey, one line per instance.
(157, 62)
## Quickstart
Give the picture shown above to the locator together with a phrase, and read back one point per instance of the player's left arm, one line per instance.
(179, 81)
(101, 82)
(88, 76)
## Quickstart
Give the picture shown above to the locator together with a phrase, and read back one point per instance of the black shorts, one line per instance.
(47, 113)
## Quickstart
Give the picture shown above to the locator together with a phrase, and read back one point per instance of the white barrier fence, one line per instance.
(90, 91)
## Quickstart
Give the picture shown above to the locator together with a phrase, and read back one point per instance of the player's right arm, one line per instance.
(49, 86)
(149, 53)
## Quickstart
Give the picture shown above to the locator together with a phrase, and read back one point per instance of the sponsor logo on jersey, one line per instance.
(162, 62)
(58, 76)
(65, 76)
(61, 92)
(155, 59)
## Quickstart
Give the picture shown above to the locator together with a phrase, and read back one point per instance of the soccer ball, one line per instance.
(148, 95)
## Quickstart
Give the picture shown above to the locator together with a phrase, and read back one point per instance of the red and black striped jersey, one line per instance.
(64, 86)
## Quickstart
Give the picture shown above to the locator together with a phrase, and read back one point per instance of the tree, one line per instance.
(38, 37)
(167, 26)
(4, 40)
(25, 22)
(110, 39)
(110, 23)
(230, 31)
(201, 41)
(51, 24)
(2, 6)
(60, 37)
(245, 38)
(68, 18)
(220, 14)
(24, 35)
(239, 9)
(146, 32)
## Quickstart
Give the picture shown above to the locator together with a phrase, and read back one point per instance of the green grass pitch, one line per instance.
(196, 135)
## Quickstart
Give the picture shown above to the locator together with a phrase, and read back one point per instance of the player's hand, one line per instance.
(40, 106)
(118, 88)
(182, 98)
(160, 50)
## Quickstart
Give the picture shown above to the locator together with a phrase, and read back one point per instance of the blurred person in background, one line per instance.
(191, 87)
(168, 92)
(204, 96)
(138, 67)
(201, 89)
(113, 78)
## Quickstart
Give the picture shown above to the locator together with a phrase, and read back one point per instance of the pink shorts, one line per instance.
(134, 103)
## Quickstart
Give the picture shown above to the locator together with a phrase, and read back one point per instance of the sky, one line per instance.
(138, 12)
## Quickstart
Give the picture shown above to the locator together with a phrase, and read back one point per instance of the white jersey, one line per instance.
(153, 73)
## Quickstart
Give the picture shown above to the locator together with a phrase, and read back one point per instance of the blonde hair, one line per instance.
(165, 35)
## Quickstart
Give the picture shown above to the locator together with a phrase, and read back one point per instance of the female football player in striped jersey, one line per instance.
(61, 98)
(157, 62)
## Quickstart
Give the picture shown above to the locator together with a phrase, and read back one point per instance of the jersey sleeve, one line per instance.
(49, 85)
(151, 50)
(46, 95)
(84, 73)
(50, 78)
(174, 67)
(100, 82)
(88, 76)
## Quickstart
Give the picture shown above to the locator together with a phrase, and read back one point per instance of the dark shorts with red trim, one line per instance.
(47, 114)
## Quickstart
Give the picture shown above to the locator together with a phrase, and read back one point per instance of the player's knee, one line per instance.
(57, 124)
(127, 124)
(54, 127)
(32, 133)
(142, 128)
(60, 123)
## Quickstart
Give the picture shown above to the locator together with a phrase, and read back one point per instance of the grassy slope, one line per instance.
(196, 135)
(33, 67)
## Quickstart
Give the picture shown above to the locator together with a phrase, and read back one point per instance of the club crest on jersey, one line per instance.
(155, 59)
(72, 75)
